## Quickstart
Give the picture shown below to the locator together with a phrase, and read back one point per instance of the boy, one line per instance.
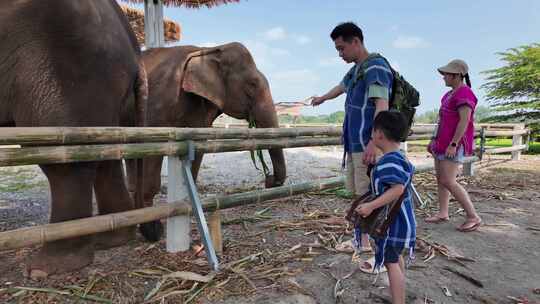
(389, 178)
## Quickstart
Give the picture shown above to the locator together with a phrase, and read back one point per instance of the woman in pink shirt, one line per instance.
(453, 140)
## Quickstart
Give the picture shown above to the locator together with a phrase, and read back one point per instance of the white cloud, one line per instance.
(302, 40)
(410, 42)
(279, 52)
(264, 55)
(209, 44)
(294, 77)
(331, 62)
(276, 33)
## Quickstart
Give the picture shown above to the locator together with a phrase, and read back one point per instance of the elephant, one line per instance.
(191, 86)
(72, 63)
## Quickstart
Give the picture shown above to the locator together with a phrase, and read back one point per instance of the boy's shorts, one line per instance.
(357, 180)
(392, 254)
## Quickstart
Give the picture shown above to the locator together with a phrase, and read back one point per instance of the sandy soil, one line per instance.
(505, 251)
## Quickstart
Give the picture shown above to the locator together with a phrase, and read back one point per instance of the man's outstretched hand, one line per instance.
(316, 100)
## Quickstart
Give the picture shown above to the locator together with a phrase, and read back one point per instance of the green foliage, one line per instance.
(429, 117)
(514, 89)
(481, 114)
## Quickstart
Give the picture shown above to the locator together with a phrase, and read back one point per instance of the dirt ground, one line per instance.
(281, 251)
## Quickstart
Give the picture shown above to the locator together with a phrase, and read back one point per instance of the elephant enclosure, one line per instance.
(282, 250)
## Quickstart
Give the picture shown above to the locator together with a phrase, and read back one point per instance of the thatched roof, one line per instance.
(189, 3)
(136, 20)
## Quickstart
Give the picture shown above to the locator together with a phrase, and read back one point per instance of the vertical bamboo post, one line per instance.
(178, 227)
(153, 24)
(214, 224)
(516, 141)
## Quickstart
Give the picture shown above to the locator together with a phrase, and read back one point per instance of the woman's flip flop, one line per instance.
(469, 226)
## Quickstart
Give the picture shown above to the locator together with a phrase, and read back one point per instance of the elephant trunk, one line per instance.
(266, 117)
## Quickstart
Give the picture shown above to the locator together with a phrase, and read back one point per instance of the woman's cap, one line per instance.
(456, 66)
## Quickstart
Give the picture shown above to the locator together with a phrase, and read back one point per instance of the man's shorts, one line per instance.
(391, 254)
(357, 180)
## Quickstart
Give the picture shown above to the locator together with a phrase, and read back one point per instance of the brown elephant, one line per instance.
(71, 63)
(191, 86)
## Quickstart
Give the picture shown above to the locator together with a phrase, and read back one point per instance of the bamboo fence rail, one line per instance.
(104, 135)
(80, 153)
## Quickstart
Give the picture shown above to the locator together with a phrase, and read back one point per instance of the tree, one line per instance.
(429, 117)
(482, 114)
(513, 90)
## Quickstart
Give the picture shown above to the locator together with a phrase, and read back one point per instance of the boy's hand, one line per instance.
(364, 210)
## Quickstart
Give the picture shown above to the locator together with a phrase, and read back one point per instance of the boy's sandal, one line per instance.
(435, 219)
(347, 247)
(366, 249)
(368, 266)
(470, 226)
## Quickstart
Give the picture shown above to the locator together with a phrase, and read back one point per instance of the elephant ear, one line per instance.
(202, 76)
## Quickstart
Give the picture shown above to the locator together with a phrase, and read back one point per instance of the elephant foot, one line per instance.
(53, 260)
(152, 231)
(270, 182)
(110, 239)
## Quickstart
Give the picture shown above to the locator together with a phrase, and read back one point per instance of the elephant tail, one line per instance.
(151, 231)
(141, 95)
(141, 100)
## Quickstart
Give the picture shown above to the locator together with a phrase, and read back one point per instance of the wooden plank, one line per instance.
(506, 149)
(178, 227)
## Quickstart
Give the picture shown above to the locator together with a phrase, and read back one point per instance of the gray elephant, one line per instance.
(71, 63)
(191, 86)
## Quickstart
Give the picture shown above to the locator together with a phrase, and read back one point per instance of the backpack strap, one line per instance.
(363, 66)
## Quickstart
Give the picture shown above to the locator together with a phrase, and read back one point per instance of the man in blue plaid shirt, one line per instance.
(390, 177)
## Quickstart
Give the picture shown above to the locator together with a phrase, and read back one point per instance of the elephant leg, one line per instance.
(151, 231)
(71, 198)
(112, 197)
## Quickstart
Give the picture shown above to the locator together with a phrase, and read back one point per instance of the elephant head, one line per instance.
(228, 77)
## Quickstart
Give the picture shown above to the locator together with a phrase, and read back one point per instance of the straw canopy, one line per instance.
(171, 29)
(189, 3)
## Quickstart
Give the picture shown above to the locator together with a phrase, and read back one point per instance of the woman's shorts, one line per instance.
(458, 158)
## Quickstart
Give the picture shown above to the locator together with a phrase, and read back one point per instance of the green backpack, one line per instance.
(404, 98)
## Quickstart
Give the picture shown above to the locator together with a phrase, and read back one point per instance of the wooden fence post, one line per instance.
(468, 169)
(516, 141)
(178, 227)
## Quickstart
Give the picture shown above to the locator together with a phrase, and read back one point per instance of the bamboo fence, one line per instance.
(52, 232)
(223, 140)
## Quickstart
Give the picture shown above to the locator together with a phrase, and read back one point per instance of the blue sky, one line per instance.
(289, 39)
